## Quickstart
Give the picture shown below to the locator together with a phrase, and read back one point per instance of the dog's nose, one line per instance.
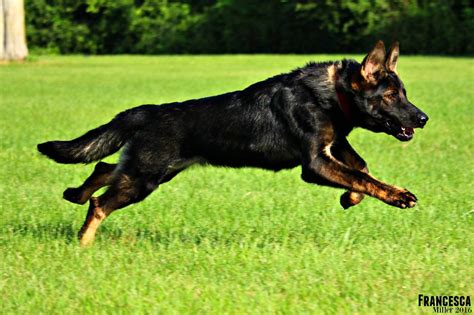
(422, 119)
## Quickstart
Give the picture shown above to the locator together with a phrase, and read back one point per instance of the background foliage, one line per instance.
(248, 26)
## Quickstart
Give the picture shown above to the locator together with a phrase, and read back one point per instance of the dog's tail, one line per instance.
(99, 142)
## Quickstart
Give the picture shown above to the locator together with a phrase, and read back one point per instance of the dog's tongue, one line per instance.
(408, 131)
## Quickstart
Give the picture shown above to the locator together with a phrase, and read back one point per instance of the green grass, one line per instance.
(218, 240)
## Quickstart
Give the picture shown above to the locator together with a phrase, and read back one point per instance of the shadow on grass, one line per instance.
(48, 231)
(68, 233)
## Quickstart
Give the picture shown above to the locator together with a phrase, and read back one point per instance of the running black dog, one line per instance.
(301, 118)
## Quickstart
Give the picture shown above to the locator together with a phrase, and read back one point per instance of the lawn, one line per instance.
(218, 240)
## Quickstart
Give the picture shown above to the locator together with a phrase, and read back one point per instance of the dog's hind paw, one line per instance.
(74, 195)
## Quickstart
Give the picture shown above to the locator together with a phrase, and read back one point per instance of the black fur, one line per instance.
(286, 121)
(260, 126)
(99, 142)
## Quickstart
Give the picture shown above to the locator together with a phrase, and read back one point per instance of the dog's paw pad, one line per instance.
(404, 199)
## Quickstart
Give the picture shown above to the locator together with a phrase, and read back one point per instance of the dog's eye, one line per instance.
(391, 94)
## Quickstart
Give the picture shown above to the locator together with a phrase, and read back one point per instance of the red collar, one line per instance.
(342, 99)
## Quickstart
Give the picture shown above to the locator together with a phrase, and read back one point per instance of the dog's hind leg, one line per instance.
(123, 191)
(100, 177)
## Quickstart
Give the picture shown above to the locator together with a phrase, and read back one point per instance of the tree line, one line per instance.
(248, 26)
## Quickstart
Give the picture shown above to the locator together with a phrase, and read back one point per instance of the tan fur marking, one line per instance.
(331, 74)
(89, 234)
(381, 194)
(327, 151)
(95, 216)
(355, 198)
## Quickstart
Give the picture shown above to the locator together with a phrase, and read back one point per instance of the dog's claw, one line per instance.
(403, 199)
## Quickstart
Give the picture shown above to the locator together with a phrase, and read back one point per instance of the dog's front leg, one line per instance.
(345, 153)
(324, 169)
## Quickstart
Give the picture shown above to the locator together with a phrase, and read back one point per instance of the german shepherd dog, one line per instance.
(301, 118)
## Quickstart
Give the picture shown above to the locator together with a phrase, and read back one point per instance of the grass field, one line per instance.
(218, 240)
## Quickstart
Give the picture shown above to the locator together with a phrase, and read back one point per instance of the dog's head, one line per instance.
(381, 97)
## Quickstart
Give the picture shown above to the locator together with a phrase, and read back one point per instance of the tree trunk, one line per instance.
(12, 30)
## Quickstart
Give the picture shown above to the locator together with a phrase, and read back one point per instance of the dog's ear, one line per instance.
(373, 63)
(392, 58)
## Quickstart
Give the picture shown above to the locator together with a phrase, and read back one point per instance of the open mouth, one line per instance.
(401, 133)
(405, 133)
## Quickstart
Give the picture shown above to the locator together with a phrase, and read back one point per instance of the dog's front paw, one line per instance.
(402, 198)
(350, 198)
